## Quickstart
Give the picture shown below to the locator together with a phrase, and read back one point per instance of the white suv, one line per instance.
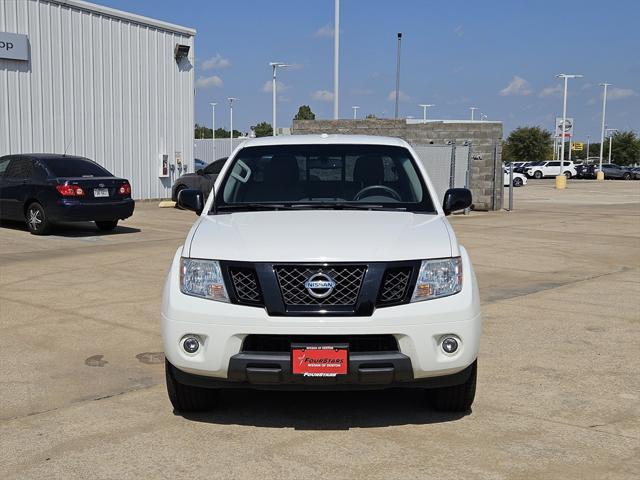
(321, 262)
(551, 169)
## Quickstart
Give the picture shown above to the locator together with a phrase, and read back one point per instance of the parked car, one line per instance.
(43, 189)
(519, 179)
(551, 169)
(586, 170)
(636, 173)
(321, 262)
(611, 170)
(202, 179)
(523, 168)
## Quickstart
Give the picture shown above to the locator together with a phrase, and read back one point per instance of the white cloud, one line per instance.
(323, 95)
(517, 87)
(620, 93)
(208, 82)
(324, 32)
(459, 30)
(217, 61)
(403, 97)
(280, 87)
(551, 91)
(362, 91)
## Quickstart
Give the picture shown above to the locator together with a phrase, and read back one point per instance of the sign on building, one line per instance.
(14, 46)
(564, 130)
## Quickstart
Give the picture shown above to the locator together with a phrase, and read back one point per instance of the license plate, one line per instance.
(319, 360)
(100, 192)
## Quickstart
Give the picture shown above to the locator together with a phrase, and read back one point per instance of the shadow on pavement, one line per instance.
(323, 410)
(71, 229)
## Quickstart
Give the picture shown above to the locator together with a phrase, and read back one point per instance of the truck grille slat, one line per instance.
(394, 285)
(292, 278)
(246, 286)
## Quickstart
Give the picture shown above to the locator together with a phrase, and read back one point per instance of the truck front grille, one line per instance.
(292, 278)
(245, 285)
(395, 284)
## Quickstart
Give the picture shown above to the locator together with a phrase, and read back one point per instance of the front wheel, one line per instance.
(37, 221)
(106, 225)
(517, 182)
(627, 176)
(457, 398)
(537, 174)
(186, 398)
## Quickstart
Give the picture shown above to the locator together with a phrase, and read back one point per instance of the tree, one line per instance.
(370, 116)
(528, 144)
(201, 131)
(625, 149)
(263, 129)
(305, 113)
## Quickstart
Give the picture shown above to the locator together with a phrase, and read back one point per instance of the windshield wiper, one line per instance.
(253, 206)
(344, 206)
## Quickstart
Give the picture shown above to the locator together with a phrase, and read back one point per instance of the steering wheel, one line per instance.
(389, 190)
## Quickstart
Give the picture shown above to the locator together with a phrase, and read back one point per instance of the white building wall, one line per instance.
(99, 83)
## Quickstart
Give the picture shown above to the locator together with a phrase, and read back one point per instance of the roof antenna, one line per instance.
(67, 148)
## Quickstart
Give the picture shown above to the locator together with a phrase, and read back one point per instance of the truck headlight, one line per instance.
(438, 278)
(202, 278)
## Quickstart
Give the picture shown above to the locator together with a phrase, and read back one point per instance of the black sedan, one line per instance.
(43, 189)
(202, 179)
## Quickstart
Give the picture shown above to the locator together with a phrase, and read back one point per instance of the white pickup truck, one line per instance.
(321, 262)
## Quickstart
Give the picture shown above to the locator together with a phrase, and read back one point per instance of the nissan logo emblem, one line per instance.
(320, 285)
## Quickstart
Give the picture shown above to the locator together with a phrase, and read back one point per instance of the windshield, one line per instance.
(75, 167)
(324, 176)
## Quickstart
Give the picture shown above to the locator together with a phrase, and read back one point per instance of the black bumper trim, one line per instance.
(272, 371)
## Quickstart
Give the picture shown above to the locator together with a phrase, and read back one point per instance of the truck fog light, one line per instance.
(449, 345)
(190, 344)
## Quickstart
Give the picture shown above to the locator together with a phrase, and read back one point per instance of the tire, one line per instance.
(37, 221)
(186, 398)
(537, 174)
(626, 176)
(517, 182)
(106, 225)
(178, 189)
(567, 174)
(457, 398)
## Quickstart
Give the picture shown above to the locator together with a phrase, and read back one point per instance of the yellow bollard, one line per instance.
(600, 175)
(561, 182)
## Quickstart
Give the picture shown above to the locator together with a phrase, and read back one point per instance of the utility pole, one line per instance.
(600, 174)
(336, 60)
(231, 100)
(398, 72)
(213, 127)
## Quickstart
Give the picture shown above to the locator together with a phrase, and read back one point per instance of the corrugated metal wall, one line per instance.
(203, 148)
(98, 86)
(437, 161)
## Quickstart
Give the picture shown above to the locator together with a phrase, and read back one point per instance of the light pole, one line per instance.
(587, 156)
(336, 60)
(610, 136)
(231, 100)
(473, 109)
(274, 66)
(561, 180)
(398, 72)
(355, 111)
(424, 110)
(600, 175)
(213, 127)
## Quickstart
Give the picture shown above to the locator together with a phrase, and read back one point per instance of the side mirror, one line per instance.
(456, 199)
(200, 171)
(191, 199)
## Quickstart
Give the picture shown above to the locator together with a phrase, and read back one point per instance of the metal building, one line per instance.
(93, 81)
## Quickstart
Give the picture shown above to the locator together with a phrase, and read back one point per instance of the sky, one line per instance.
(500, 56)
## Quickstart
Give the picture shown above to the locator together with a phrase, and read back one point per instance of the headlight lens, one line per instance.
(202, 278)
(438, 278)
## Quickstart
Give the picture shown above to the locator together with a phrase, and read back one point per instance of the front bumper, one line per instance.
(67, 210)
(417, 327)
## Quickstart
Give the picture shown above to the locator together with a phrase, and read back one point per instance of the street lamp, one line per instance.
(561, 180)
(609, 132)
(231, 100)
(213, 127)
(424, 110)
(274, 66)
(600, 175)
(473, 109)
(398, 73)
(587, 156)
(336, 59)
(355, 111)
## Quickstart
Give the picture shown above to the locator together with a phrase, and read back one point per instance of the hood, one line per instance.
(320, 236)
